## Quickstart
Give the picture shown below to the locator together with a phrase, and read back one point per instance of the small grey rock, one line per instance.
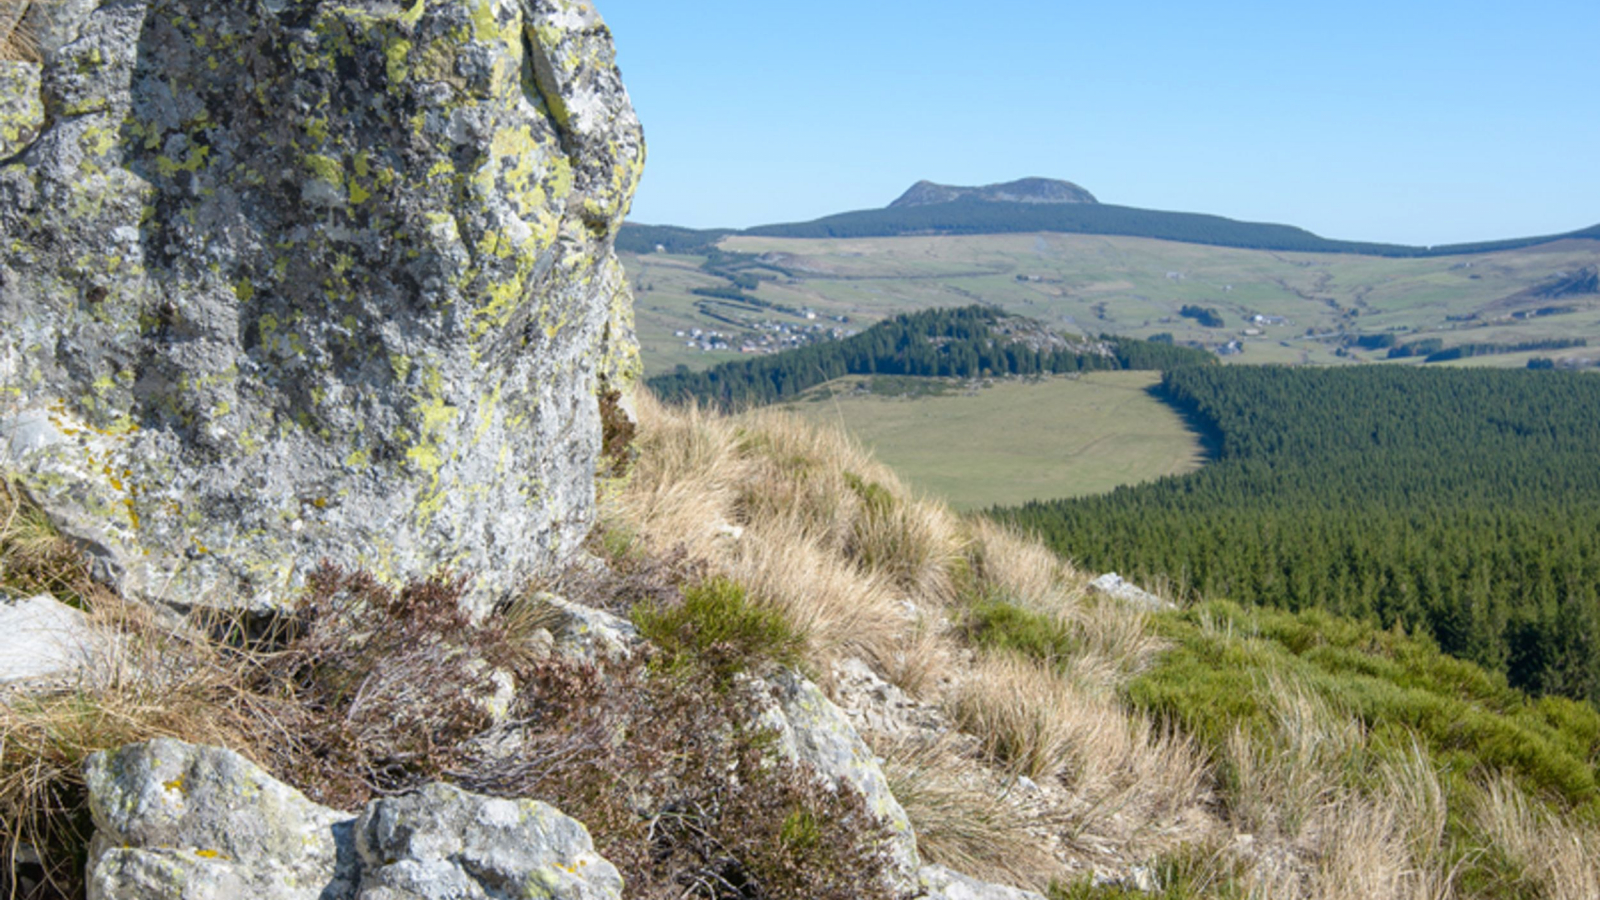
(442, 843)
(42, 638)
(175, 820)
(939, 883)
(583, 632)
(1117, 588)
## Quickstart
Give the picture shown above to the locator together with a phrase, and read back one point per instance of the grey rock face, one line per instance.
(293, 280)
(812, 729)
(939, 883)
(173, 820)
(198, 823)
(442, 843)
(42, 638)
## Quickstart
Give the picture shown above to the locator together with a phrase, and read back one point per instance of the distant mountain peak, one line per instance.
(1026, 190)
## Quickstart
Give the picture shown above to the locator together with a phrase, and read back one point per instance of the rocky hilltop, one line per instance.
(1026, 190)
(291, 280)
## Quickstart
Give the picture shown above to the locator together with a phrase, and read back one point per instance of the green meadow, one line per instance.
(977, 444)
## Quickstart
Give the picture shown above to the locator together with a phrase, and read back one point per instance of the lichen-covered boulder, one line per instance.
(293, 280)
(441, 843)
(811, 729)
(178, 821)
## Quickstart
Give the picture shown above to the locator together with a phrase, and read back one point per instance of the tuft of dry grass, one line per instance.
(1558, 857)
(923, 659)
(35, 558)
(1009, 567)
(840, 610)
(17, 42)
(805, 520)
(1020, 711)
(681, 490)
(963, 820)
(147, 682)
(1279, 783)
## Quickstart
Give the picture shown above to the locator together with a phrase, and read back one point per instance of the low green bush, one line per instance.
(716, 628)
(1007, 627)
(1226, 656)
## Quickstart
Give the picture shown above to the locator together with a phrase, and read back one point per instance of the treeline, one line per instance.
(1464, 504)
(989, 217)
(1205, 315)
(632, 238)
(986, 217)
(964, 342)
(1433, 349)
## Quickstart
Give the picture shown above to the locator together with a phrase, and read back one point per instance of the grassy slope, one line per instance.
(1121, 285)
(1014, 441)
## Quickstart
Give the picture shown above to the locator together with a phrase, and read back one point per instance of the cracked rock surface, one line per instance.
(286, 280)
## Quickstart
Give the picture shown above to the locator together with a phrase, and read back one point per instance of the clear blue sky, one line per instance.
(1416, 122)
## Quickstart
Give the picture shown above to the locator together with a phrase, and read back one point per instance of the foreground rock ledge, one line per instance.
(286, 280)
(177, 821)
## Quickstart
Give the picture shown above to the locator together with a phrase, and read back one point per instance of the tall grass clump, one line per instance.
(17, 41)
(142, 682)
(964, 817)
(35, 558)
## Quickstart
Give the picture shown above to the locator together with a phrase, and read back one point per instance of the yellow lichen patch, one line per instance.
(396, 54)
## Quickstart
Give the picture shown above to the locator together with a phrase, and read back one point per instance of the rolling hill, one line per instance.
(1048, 205)
(1047, 250)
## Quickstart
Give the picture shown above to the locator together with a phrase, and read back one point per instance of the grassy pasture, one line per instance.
(1013, 440)
(1135, 286)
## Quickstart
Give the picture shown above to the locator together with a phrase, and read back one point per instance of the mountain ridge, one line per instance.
(1023, 190)
(1043, 204)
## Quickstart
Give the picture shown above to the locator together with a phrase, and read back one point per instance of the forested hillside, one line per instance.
(964, 342)
(971, 216)
(1464, 503)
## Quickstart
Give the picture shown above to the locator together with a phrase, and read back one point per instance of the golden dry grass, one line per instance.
(1561, 857)
(35, 558)
(805, 521)
(143, 682)
(17, 42)
(1021, 711)
(963, 818)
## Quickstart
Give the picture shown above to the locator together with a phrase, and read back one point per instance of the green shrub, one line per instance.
(716, 628)
(1226, 656)
(997, 625)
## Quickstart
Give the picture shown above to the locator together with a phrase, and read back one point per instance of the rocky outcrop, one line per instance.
(287, 280)
(1126, 592)
(442, 843)
(1026, 190)
(176, 821)
(811, 729)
